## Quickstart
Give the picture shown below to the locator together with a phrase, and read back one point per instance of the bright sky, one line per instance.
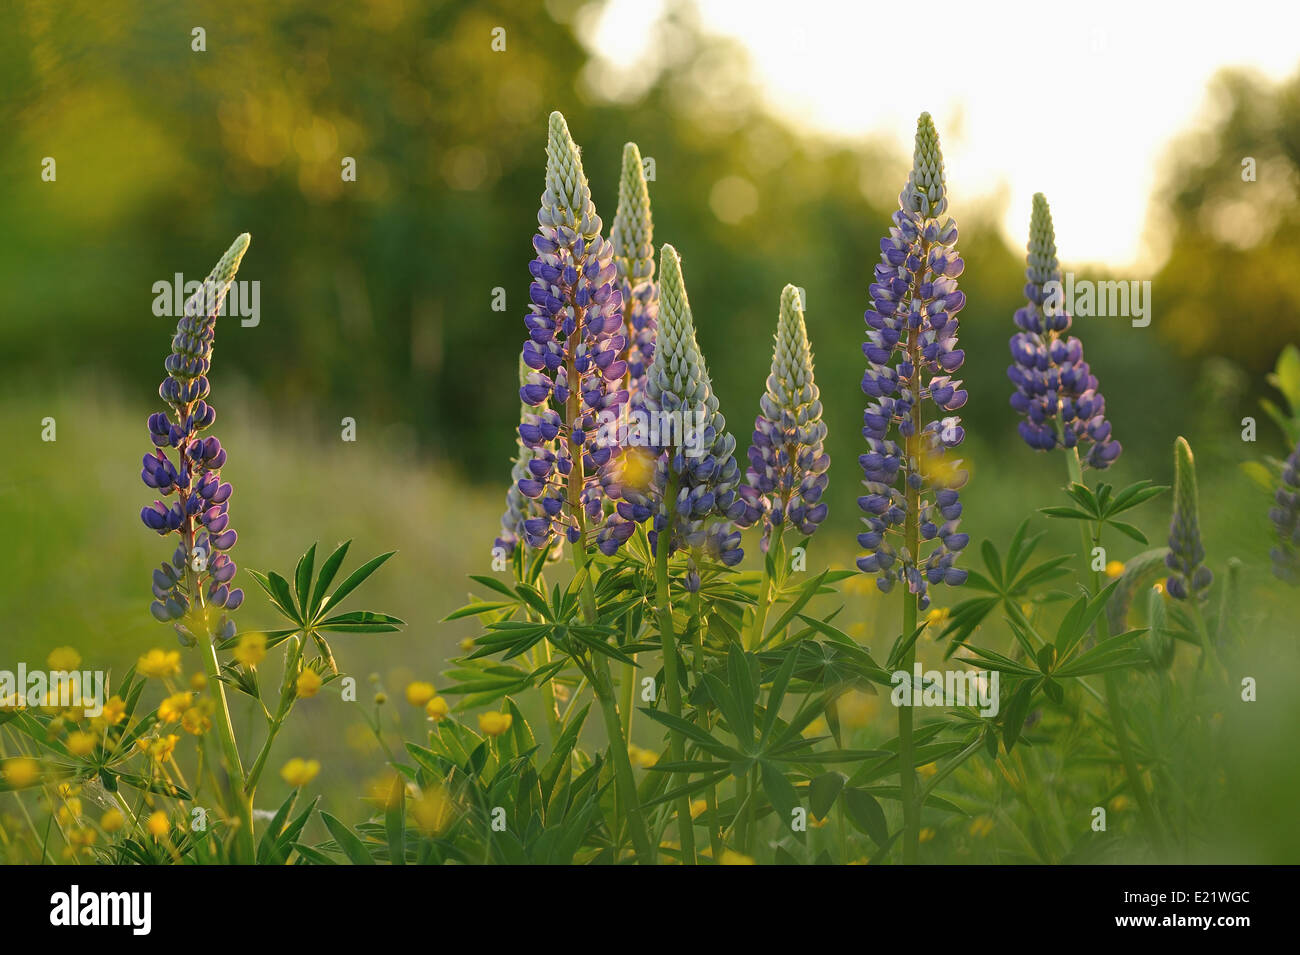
(1080, 103)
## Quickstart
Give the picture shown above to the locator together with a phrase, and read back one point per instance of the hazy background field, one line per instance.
(376, 300)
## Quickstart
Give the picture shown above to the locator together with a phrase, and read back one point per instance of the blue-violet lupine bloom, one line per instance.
(911, 351)
(1188, 577)
(1285, 515)
(1056, 391)
(199, 573)
(518, 508)
(634, 256)
(787, 459)
(575, 339)
(682, 436)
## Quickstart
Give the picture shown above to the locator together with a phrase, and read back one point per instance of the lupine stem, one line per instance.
(912, 541)
(1114, 704)
(702, 718)
(672, 689)
(226, 731)
(765, 592)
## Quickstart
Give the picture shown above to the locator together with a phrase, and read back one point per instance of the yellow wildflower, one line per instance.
(157, 824)
(494, 724)
(643, 758)
(929, 769)
(419, 693)
(114, 711)
(925, 835)
(173, 708)
(198, 682)
(112, 821)
(20, 771)
(1114, 568)
(467, 645)
(731, 857)
(308, 683)
(1120, 803)
(159, 663)
(437, 709)
(432, 811)
(981, 826)
(251, 649)
(63, 658)
(698, 806)
(196, 721)
(80, 744)
(299, 772)
(160, 749)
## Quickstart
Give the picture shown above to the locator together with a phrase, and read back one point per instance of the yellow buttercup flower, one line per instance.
(157, 824)
(80, 744)
(198, 682)
(925, 835)
(63, 658)
(251, 649)
(929, 769)
(196, 721)
(731, 857)
(157, 664)
(937, 616)
(308, 683)
(432, 811)
(173, 708)
(494, 724)
(642, 758)
(1114, 568)
(114, 711)
(112, 821)
(69, 812)
(20, 771)
(437, 709)
(467, 645)
(162, 748)
(981, 826)
(299, 772)
(419, 693)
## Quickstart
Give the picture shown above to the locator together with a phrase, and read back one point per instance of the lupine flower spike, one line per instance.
(634, 256)
(699, 453)
(1285, 516)
(911, 351)
(787, 459)
(1055, 389)
(1188, 577)
(575, 338)
(518, 507)
(200, 571)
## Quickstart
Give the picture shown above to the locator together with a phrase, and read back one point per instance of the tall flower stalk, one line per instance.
(634, 257)
(1057, 393)
(575, 380)
(193, 590)
(788, 463)
(687, 487)
(911, 498)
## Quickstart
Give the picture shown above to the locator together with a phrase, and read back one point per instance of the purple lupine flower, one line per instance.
(1189, 577)
(1285, 515)
(1056, 391)
(575, 339)
(912, 352)
(787, 459)
(679, 434)
(633, 236)
(199, 574)
(520, 509)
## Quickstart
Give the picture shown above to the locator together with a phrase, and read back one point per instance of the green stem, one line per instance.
(702, 719)
(287, 694)
(765, 592)
(672, 689)
(1114, 703)
(226, 732)
(912, 543)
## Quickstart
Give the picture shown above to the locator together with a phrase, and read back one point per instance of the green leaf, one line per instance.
(302, 581)
(347, 840)
(361, 621)
(278, 590)
(866, 815)
(823, 790)
(1013, 720)
(780, 791)
(327, 572)
(355, 580)
(1128, 530)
